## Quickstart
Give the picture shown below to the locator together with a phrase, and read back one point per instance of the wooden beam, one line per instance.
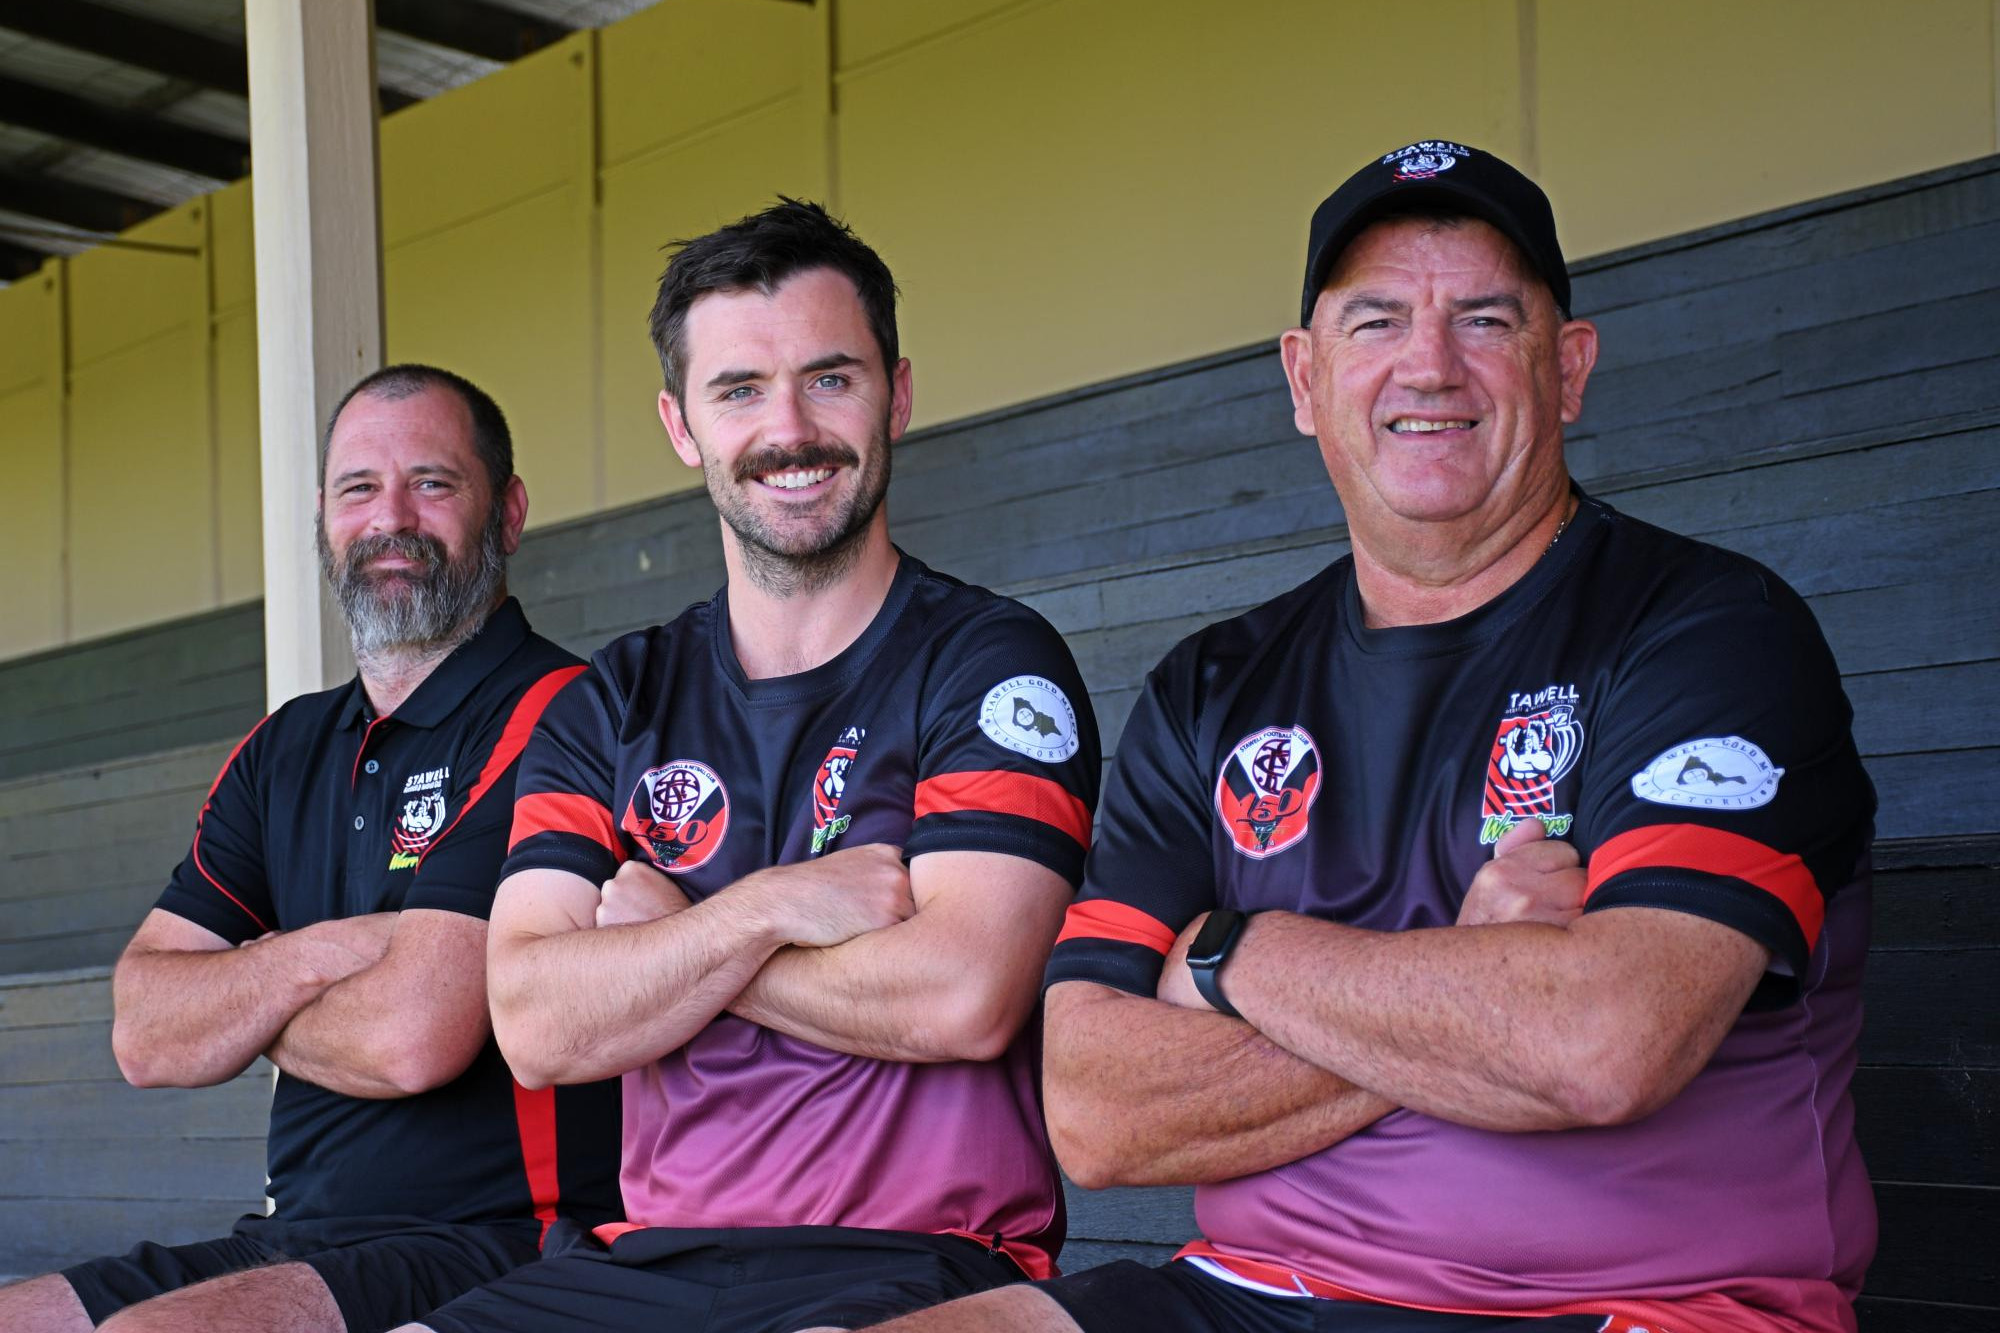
(71, 204)
(129, 133)
(316, 200)
(479, 29)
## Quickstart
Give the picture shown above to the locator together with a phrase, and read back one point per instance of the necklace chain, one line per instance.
(1561, 528)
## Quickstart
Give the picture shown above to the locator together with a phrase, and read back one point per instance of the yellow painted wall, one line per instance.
(140, 520)
(1074, 189)
(707, 113)
(487, 257)
(33, 585)
(1067, 190)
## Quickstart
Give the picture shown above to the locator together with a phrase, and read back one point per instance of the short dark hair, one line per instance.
(760, 252)
(490, 437)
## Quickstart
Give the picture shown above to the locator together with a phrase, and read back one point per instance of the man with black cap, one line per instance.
(1479, 925)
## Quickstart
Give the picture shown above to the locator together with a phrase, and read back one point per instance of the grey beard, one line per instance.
(435, 611)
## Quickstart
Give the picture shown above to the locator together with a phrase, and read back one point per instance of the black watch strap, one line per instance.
(1209, 951)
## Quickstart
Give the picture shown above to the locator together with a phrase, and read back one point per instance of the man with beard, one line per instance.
(331, 915)
(815, 990)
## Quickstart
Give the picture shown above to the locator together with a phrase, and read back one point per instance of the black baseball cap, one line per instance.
(1449, 173)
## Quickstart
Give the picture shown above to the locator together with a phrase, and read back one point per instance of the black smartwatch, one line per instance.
(1210, 950)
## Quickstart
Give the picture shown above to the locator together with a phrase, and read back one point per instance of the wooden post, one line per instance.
(315, 189)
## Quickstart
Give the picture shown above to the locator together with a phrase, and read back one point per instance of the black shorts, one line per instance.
(1179, 1298)
(752, 1280)
(382, 1271)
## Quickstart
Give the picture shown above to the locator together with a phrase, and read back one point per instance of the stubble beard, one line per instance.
(423, 613)
(787, 564)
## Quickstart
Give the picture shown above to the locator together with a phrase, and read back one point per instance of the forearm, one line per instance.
(594, 1002)
(412, 1022)
(883, 995)
(333, 1042)
(955, 980)
(1141, 1092)
(190, 1020)
(1521, 1026)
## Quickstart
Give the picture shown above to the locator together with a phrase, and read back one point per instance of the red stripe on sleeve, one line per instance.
(535, 1115)
(1001, 792)
(563, 812)
(1714, 852)
(513, 739)
(218, 883)
(220, 774)
(1102, 919)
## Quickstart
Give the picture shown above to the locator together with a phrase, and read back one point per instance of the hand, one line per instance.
(831, 899)
(638, 893)
(1531, 877)
(1176, 982)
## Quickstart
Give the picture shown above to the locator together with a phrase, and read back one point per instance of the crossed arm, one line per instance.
(1538, 1018)
(382, 1005)
(849, 951)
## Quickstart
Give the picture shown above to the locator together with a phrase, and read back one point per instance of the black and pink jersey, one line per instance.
(956, 721)
(1670, 708)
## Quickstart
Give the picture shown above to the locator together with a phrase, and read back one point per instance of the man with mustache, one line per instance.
(331, 915)
(791, 863)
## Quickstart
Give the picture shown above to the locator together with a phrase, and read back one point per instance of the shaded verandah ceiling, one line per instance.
(113, 110)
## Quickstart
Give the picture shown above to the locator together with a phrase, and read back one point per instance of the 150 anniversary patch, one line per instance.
(679, 812)
(1266, 789)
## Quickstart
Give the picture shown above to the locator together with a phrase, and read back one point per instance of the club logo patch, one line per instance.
(1713, 773)
(419, 819)
(1536, 746)
(1265, 791)
(830, 784)
(680, 813)
(1425, 160)
(1030, 715)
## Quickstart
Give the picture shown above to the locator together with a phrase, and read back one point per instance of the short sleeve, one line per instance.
(1724, 780)
(222, 884)
(562, 816)
(460, 871)
(1152, 870)
(1008, 751)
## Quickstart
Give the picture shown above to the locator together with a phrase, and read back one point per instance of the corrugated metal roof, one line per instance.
(37, 161)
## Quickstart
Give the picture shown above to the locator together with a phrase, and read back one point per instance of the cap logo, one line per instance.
(1425, 160)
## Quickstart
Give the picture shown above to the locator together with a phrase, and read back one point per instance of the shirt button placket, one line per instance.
(363, 865)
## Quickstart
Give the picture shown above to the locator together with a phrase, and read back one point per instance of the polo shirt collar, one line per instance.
(441, 692)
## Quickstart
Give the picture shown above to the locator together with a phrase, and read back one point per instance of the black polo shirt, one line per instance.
(327, 811)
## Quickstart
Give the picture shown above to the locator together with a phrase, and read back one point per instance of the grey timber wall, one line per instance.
(1818, 388)
(159, 688)
(84, 853)
(89, 1163)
